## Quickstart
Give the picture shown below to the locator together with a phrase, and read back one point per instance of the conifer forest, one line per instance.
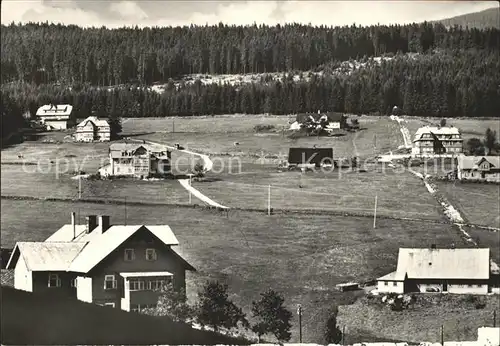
(425, 69)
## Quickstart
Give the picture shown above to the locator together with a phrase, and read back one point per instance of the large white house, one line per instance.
(430, 141)
(54, 117)
(460, 271)
(93, 129)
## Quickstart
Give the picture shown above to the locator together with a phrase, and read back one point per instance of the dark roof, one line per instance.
(310, 155)
(332, 116)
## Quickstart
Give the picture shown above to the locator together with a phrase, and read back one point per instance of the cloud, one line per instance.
(168, 13)
(64, 12)
(128, 10)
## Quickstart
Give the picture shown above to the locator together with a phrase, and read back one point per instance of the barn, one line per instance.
(310, 156)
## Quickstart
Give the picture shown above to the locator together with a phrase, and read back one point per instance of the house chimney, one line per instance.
(73, 224)
(91, 223)
(319, 111)
(104, 222)
(433, 246)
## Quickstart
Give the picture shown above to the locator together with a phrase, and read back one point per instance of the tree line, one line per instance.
(48, 53)
(461, 84)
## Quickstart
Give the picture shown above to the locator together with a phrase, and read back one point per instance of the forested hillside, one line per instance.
(67, 54)
(450, 72)
(489, 18)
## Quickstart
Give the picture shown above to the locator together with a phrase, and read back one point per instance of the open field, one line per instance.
(479, 203)
(217, 135)
(302, 256)
(399, 194)
(422, 321)
(15, 182)
(486, 238)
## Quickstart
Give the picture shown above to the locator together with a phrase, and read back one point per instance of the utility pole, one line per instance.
(299, 312)
(190, 176)
(173, 125)
(375, 212)
(442, 335)
(79, 187)
(269, 200)
(343, 335)
(125, 211)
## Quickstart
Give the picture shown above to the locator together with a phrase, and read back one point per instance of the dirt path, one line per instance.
(207, 166)
(199, 195)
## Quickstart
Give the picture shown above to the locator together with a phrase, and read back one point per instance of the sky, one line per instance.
(111, 13)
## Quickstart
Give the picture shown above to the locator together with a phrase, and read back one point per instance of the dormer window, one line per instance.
(151, 255)
(129, 255)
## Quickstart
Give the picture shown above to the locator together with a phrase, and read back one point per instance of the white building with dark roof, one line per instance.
(460, 271)
(137, 159)
(93, 129)
(433, 140)
(54, 117)
(478, 168)
(121, 266)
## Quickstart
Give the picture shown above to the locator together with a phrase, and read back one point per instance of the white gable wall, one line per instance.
(23, 278)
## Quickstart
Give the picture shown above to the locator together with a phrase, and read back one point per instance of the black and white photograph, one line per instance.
(231, 172)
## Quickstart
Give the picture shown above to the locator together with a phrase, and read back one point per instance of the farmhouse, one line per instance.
(431, 141)
(113, 265)
(139, 160)
(310, 157)
(461, 271)
(93, 129)
(478, 168)
(54, 117)
(330, 121)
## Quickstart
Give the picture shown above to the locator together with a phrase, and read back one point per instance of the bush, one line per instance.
(263, 128)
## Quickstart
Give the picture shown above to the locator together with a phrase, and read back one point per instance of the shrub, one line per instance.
(263, 128)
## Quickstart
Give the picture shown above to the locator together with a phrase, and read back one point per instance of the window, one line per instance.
(136, 285)
(155, 284)
(73, 282)
(150, 254)
(129, 255)
(394, 283)
(109, 282)
(386, 283)
(111, 305)
(54, 280)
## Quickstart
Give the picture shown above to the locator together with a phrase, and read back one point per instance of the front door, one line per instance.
(445, 286)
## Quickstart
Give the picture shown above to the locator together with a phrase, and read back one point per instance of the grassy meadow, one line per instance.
(479, 203)
(421, 322)
(302, 256)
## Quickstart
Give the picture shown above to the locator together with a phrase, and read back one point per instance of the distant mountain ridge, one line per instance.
(489, 18)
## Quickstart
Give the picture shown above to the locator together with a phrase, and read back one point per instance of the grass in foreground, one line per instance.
(422, 321)
(302, 257)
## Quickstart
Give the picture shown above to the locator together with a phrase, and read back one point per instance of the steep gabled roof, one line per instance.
(444, 263)
(473, 162)
(331, 116)
(447, 130)
(104, 243)
(95, 120)
(54, 110)
(46, 256)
